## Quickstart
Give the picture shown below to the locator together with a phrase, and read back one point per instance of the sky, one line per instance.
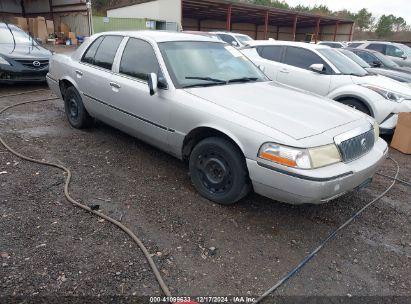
(399, 8)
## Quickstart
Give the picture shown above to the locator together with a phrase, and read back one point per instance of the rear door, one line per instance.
(138, 113)
(269, 57)
(94, 75)
(295, 71)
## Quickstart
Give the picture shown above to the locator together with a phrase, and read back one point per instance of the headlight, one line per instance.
(387, 94)
(4, 61)
(300, 158)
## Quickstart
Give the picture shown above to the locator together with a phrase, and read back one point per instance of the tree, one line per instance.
(385, 25)
(399, 24)
(364, 19)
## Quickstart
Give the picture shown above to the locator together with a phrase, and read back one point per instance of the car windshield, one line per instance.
(201, 63)
(21, 37)
(344, 65)
(244, 39)
(385, 61)
(355, 58)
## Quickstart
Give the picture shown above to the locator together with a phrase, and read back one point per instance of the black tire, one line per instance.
(76, 113)
(218, 171)
(356, 104)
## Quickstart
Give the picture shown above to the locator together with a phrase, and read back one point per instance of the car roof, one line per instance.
(309, 46)
(161, 36)
(232, 33)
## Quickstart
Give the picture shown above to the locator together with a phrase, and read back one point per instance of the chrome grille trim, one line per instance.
(356, 143)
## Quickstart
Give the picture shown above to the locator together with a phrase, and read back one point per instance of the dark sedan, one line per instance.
(398, 75)
(22, 59)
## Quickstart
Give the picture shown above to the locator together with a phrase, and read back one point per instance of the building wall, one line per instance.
(164, 10)
(100, 24)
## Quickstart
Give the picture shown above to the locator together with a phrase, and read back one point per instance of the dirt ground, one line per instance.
(53, 250)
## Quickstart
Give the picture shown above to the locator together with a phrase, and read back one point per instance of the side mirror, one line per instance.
(376, 64)
(152, 83)
(404, 57)
(262, 68)
(318, 67)
(234, 43)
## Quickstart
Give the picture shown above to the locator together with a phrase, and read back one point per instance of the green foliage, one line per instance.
(364, 19)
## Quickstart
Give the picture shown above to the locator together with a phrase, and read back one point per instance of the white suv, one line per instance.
(325, 71)
(234, 39)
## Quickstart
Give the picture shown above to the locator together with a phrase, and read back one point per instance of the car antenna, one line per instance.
(14, 39)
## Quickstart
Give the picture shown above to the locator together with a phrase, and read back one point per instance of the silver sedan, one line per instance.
(204, 102)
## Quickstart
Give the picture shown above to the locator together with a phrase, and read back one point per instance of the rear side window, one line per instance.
(301, 58)
(226, 38)
(272, 53)
(354, 44)
(91, 52)
(107, 51)
(139, 60)
(377, 47)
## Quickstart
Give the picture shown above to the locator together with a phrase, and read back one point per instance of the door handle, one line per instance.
(285, 71)
(79, 73)
(115, 85)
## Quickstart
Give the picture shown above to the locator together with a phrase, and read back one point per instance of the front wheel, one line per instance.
(218, 171)
(358, 105)
(76, 113)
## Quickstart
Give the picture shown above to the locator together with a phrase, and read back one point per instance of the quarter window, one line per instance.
(139, 60)
(107, 51)
(272, 53)
(302, 58)
(91, 52)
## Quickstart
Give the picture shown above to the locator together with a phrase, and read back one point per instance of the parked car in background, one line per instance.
(21, 57)
(378, 60)
(399, 53)
(203, 101)
(327, 72)
(396, 75)
(333, 44)
(205, 34)
(234, 39)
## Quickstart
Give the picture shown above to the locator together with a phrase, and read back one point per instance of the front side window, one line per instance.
(302, 58)
(394, 51)
(355, 58)
(107, 51)
(272, 53)
(200, 63)
(139, 60)
(367, 57)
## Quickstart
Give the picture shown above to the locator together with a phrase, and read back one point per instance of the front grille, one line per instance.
(33, 63)
(357, 146)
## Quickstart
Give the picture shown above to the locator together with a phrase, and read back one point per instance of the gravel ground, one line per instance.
(51, 249)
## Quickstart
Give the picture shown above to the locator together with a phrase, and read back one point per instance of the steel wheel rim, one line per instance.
(214, 172)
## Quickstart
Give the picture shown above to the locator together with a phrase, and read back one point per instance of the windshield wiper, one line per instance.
(208, 79)
(243, 79)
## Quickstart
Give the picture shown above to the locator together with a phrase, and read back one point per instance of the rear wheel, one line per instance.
(356, 104)
(218, 171)
(76, 113)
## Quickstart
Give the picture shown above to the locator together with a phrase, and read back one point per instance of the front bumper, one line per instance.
(388, 125)
(322, 185)
(14, 74)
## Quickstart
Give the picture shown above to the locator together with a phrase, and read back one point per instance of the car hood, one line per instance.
(397, 75)
(294, 112)
(24, 51)
(384, 82)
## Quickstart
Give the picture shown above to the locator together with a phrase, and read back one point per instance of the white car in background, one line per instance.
(234, 39)
(326, 72)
